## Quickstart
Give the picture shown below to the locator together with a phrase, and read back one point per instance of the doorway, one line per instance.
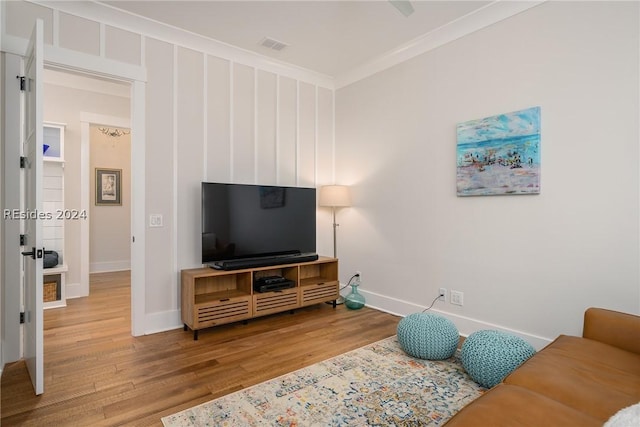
(134, 77)
(110, 103)
(119, 105)
(110, 196)
(105, 149)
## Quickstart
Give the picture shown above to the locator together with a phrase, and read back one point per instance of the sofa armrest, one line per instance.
(618, 329)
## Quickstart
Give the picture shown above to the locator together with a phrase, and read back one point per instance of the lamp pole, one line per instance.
(340, 299)
(335, 254)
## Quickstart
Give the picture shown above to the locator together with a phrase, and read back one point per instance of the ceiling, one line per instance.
(329, 37)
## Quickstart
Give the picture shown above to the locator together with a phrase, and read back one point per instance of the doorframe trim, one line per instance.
(65, 60)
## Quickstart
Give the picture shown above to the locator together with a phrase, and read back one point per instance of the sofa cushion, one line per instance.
(586, 375)
(513, 406)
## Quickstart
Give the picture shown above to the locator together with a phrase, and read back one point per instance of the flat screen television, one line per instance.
(247, 225)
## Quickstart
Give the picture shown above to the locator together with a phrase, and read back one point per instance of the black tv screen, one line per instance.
(247, 221)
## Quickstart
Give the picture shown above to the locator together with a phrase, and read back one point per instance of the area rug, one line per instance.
(376, 385)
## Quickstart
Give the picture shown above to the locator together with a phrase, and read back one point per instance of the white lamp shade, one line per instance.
(335, 195)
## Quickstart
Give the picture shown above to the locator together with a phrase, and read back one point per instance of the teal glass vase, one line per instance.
(355, 300)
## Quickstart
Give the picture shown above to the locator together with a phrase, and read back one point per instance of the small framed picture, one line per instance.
(108, 187)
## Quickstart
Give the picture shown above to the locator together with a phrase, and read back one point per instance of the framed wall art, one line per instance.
(108, 187)
(499, 154)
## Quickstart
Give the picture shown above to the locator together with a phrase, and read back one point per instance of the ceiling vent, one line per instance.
(273, 44)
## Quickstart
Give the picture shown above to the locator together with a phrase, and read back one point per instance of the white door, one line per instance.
(33, 250)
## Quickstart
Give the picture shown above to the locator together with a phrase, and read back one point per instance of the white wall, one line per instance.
(110, 225)
(527, 263)
(213, 113)
(211, 119)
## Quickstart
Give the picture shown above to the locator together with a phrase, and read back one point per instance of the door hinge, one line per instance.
(23, 162)
(22, 83)
(22, 317)
(23, 239)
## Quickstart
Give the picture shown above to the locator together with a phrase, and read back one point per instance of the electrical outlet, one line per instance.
(457, 297)
(443, 295)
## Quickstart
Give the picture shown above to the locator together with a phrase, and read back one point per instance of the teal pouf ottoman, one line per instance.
(489, 356)
(428, 336)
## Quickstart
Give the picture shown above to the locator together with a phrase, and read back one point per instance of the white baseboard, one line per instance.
(465, 325)
(74, 290)
(169, 320)
(162, 321)
(109, 266)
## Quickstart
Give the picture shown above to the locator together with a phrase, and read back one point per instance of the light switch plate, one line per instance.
(155, 220)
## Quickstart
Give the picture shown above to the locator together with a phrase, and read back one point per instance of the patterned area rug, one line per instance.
(376, 385)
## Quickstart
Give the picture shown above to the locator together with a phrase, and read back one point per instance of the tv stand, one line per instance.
(213, 297)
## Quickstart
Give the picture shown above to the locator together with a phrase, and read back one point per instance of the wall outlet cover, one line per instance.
(457, 298)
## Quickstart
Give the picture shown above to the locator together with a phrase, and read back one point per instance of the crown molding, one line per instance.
(488, 15)
(146, 27)
(481, 18)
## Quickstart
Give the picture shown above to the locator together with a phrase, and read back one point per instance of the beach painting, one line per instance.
(500, 154)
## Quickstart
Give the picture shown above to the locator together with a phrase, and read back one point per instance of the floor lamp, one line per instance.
(334, 196)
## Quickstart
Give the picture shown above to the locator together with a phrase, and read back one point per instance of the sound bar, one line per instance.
(237, 264)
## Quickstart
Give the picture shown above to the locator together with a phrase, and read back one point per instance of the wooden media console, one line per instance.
(214, 297)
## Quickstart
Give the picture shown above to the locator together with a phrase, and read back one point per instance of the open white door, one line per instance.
(33, 250)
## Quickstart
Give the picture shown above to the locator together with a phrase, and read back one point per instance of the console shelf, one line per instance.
(215, 297)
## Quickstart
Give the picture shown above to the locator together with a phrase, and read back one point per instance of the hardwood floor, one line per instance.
(97, 374)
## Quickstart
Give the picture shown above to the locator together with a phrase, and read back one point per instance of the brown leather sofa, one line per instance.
(574, 381)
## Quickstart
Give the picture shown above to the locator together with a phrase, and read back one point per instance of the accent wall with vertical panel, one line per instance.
(212, 114)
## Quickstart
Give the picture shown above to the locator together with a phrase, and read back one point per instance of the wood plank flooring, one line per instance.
(97, 374)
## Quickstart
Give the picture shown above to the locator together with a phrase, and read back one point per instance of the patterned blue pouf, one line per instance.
(489, 356)
(428, 336)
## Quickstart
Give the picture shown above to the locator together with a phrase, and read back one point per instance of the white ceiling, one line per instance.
(329, 37)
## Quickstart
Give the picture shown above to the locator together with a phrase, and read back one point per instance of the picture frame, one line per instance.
(108, 187)
(499, 155)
